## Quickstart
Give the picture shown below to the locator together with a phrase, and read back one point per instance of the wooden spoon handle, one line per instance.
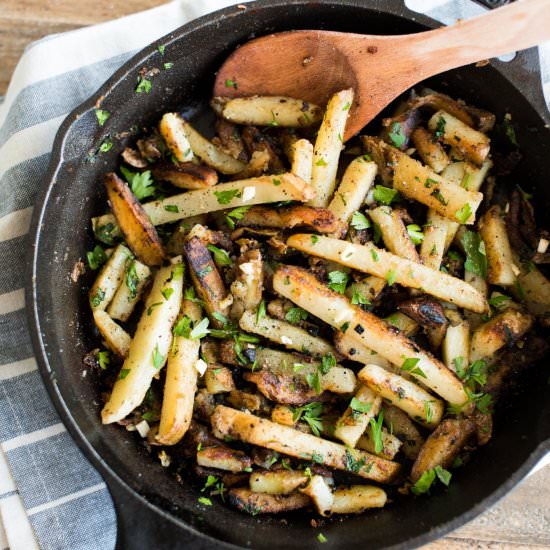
(518, 26)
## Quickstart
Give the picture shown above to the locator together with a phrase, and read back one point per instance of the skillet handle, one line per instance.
(140, 526)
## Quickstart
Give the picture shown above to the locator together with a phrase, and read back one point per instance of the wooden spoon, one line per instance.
(312, 65)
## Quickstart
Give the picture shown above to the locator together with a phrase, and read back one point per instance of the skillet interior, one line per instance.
(63, 328)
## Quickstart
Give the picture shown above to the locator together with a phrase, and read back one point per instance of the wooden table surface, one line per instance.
(519, 521)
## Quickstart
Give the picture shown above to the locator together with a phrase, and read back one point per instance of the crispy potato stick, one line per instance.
(302, 159)
(420, 183)
(503, 329)
(328, 145)
(263, 503)
(270, 111)
(500, 263)
(305, 290)
(370, 287)
(370, 259)
(281, 482)
(394, 232)
(283, 414)
(456, 344)
(150, 345)
(223, 458)
(337, 380)
(403, 323)
(480, 284)
(248, 192)
(356, 351)
(404, 394)
(134, 222)
(218, 379)
(130, 290)
(472, 144)
(357, 499)
(181, 382)
(109, 279)
(245, 400)
(207, 279)
(318, 219)
(172, 130)
(534, 288)
(390, 444)
(432, 248)
(115, 337)
(283, 439)
(186, 175)
(354, 421)
(286, 334)
(320, 493)
(350, 195)
(431, 152)
(403, 427)
(442, 446)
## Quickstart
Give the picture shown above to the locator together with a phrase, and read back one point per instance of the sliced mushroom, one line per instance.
(186, 175)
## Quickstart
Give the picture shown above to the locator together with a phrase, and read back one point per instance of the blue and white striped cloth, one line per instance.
(50, 496)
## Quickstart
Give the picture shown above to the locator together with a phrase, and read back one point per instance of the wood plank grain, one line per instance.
(23, 21)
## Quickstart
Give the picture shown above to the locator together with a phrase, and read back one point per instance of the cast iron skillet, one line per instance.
(154, 511)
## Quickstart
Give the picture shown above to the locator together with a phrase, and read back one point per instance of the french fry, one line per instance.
(181, 382)
(350, 195)
(421, 406)
(403, 427)
(503, 329)
(305, 290)
(390, 444)
(139, 233)
(173, 132)
(456, 343)
(355, 351)
(281, 482)
(442, 446)
(263, 503)
(186, 175)
(286, 334)
(472, 144)
(432, 248)
(431, 152)
(320, 493)
(248, 192)
(418, 182)
(357, 499)
(370, 287)
(353, 422)
(534, 288)
(223, 458)
(218, 379)
(328, 145)
(283, 414)
(500, 262)
(270, 111)
(116, 338)
(394, 233)
(283, 439)
(375, 261)
(129, 291)
(302, 159)
(149, 347)
(109, 279)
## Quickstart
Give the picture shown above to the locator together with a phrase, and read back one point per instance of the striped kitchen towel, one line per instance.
(50, 496)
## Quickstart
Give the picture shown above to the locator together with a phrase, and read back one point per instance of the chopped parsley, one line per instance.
(376, 429)
(143, 85)
(415, 233)
(104, 233)
(132, 279)
(295, 314)
(98, 297)
(141, 184)
(236, 214)
(106, 146)
(171, 208)
(124, 373)
(358, 299)
(440, 128)
(526, 196)
(158, 358)
(359, 221)
(476, 259)
(385, 195)
(206, 501)
(359, 407)
(321, 162)
(428, 412)
(410, 365)
(200, 330)
(321, 538)
(509, 129)
(499, 300)
(310, 413)
(102, 116)
(314, 239)
(261, 313)
(161, 49)
(374, 254)
(96, 257)
(396, 135)
(221, 257)
(464, 213)
(338, 281)
(428, 477)
(231, 83)
(390, 277)
(167, 292)
(436, 193)
(103, 359)
(352, 464)
(225, 197)
(167, 66)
